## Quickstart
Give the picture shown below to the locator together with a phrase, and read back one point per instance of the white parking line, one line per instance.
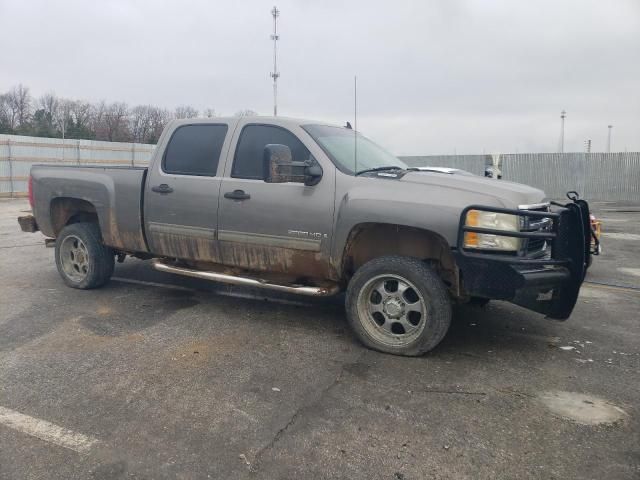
(47, 431)
(630, 271)
(622, 236)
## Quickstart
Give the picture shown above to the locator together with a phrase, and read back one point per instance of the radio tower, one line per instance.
(275, 74)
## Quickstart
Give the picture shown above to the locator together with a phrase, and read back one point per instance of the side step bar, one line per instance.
(247, 281)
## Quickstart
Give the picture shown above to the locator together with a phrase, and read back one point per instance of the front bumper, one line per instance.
(548, 284)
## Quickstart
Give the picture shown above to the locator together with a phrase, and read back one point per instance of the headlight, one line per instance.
(496, 221)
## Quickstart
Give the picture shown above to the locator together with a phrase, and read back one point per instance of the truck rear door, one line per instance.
(181, 193)
(275, 227)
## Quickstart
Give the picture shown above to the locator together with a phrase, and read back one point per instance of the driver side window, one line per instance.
(247, 162)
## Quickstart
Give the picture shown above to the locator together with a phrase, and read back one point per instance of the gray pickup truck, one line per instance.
(302, 207)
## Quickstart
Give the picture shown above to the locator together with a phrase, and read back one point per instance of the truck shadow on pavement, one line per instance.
(138, 298)
(498, 326)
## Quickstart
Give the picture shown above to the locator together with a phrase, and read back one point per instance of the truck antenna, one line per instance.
(355, 122)
(275, 74)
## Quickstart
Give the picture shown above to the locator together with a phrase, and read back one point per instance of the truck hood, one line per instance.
(509, 194)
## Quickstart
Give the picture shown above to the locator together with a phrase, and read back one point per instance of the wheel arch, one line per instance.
(367, 241)
(66, 210)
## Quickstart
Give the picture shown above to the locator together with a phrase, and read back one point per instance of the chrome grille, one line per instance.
(536, 246)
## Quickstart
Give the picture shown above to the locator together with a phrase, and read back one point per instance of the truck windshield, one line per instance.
(341, 146)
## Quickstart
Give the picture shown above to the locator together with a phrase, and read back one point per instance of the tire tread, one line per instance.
(102, 257)
(433, 289)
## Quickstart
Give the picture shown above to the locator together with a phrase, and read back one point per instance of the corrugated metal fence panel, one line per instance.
(19, 153)
(471, 163)
(596, 176)
(613, 176)
(6, 171)
(554, 173)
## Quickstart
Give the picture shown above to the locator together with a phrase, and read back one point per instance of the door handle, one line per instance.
(162, 188)
(237, 195)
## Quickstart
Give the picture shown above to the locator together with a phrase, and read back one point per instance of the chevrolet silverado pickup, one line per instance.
(303, 207)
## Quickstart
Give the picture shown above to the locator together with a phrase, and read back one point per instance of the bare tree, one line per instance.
(64, 118)
(140, 123)
(115, 120)
(4, 113)
(245, 113)
(49, 109)
(51, 115)
(97, 120)
(185, 111)
(20, 104)
(81, 113)
(159, 119)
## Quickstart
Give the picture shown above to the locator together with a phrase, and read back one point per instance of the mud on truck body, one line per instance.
(289, 205)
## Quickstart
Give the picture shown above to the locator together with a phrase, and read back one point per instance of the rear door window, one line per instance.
(195, 150)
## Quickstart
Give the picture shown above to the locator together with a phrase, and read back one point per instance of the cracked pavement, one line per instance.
(179, 378)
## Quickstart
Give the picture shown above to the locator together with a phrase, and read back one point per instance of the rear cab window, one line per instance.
(195, 150)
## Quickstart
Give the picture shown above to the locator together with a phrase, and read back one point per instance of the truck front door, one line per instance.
(182, 189)
(275, 227)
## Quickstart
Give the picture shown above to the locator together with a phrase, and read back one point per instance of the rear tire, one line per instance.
(82, 259)
(398, 305)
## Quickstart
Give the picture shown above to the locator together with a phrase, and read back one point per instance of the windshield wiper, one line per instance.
(379, 169)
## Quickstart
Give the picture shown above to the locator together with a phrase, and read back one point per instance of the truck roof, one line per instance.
(283, 121)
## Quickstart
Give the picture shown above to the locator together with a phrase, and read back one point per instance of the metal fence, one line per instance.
(19, 153)
(596, 176)
(470, 163)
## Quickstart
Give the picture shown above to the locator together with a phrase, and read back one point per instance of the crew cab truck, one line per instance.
(302, 207)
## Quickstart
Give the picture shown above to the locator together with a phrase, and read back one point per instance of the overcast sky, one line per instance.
(434, 76)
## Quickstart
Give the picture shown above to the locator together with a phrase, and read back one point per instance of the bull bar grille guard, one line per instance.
(548, 284)
(550, 235)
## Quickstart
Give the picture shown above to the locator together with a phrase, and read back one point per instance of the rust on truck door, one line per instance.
(270, 258)
(279, 227)
(181, 195)
(178, 241)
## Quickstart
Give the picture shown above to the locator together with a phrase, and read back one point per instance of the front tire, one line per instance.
(398, 305)
(82, 259)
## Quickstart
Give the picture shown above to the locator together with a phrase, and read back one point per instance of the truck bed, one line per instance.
(115, 192)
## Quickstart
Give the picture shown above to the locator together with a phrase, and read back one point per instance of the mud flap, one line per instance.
(28, 224)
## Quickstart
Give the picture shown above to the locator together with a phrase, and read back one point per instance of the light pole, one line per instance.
(61, 121)
(609, 127)
(563, 115)
(275, 74)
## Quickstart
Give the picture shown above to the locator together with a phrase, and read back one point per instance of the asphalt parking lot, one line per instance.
(156, 376)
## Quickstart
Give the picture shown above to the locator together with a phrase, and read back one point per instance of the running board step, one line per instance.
(310, 291)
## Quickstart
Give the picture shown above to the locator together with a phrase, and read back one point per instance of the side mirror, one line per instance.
(278, 167)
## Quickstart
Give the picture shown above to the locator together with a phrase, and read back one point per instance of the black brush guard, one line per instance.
(549, 284)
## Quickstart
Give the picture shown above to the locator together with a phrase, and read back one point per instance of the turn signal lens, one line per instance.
(471, 238)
